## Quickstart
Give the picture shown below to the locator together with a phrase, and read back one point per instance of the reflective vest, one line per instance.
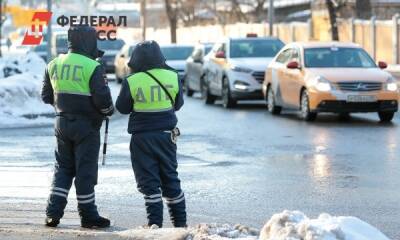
(148, 95)
(70, 73)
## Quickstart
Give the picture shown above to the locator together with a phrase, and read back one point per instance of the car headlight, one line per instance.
(241, 85)
(391, 85)
(241, 69)
(321, 84)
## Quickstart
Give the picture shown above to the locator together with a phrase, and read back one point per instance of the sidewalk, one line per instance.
(36, 232)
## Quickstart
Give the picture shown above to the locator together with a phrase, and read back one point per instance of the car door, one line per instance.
(189, 69)
(294, 79)
(279, 77)
(194, 67)
(198, 61)
(215, 70)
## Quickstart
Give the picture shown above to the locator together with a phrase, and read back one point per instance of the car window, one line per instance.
(177, 52)
(245, 48)
(207, 49)
(337, 57)
(295, 55)
(221, 48)
(284, 56)
(130, 50)
(110, 44)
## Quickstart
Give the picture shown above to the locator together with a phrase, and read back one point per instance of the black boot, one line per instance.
(51, 222)
(97, 222)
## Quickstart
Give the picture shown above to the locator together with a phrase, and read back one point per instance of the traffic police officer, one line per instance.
(151, 95)
(75, 85)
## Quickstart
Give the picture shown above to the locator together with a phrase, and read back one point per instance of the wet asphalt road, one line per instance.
(237, 166)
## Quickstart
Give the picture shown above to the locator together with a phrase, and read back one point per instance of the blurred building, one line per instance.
(381, 9)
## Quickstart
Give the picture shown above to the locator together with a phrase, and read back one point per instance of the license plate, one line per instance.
(361, 98)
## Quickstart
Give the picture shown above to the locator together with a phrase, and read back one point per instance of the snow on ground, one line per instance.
(297, 226)
(21, 78)
(288, 225)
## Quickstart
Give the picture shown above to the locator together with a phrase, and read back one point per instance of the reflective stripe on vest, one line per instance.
(148, 96)
(70, 74)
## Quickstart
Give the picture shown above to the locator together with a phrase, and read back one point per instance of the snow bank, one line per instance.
(222, 232)
(282, 226)
(20, 84)
(294, 225)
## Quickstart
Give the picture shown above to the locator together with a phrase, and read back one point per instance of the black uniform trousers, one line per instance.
(77, 152)
(154, 163)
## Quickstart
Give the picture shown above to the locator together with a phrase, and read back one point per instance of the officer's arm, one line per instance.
(47, 90)
(179, 97)
(100, 92)
(124, 102)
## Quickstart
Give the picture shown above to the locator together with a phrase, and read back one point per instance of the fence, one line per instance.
(379, 38)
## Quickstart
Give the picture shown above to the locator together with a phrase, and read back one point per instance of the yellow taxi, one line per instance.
(329, 77)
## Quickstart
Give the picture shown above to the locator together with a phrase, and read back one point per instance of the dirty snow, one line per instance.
(20, 84)
(294, 225)
(288, 225)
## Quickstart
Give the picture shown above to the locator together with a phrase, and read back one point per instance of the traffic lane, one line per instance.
(344, 168)
(237, 166)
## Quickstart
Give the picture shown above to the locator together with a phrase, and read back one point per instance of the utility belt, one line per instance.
(96, 123)
(175, 133)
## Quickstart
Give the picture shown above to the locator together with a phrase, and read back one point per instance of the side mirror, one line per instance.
(293, 65)
(382, 65)
(122, 55)
(197, 58)
(220, 54)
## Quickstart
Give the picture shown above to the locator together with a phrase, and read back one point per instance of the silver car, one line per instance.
(235, 69)
(195, 68)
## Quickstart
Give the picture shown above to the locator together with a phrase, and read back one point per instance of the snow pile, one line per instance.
(297, 226)
(221, 232)
(20, 84)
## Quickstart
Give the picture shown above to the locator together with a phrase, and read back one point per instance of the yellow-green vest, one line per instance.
(70, 74)
(148, 95)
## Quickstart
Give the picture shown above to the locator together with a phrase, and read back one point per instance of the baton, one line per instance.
(105, 142)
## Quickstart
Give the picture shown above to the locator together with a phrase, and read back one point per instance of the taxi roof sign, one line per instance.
(250, 35)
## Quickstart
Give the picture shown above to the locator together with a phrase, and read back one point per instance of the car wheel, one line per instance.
(227, 100)
(386, 117)
(205, 92)
(306, 114)
(271, 104)
(189, 92)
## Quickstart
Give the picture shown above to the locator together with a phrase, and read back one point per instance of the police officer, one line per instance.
(151, 95)
(75, 85)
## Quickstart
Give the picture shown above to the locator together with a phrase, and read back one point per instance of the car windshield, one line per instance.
(176, 53)
(207, 48)
(110, 45)
(255, 48)
(334, 57)
(62, 41)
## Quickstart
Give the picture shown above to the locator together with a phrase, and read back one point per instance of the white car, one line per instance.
(235, 69)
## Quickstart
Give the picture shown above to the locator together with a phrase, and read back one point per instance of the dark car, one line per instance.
(41, 50)
(194, 68)
(59, 43)
(111, 49)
